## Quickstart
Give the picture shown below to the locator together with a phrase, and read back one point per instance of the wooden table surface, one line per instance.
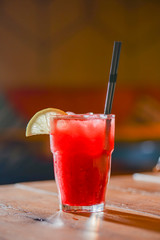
(30, 211)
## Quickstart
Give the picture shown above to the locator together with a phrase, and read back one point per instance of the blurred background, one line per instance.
(57, 53)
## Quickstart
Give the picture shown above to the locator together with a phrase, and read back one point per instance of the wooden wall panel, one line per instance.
(60, 43)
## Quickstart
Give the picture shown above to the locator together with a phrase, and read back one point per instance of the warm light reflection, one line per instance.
(56, 220)
(89, 225)
(93, 225)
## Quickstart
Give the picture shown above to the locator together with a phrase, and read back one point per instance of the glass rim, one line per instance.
(83, 116)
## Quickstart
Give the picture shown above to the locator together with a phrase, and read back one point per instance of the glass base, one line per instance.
(92, 208)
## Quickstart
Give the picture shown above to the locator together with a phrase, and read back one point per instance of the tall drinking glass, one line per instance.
(82, 146)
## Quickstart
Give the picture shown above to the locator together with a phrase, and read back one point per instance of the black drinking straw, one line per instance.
(112, 77)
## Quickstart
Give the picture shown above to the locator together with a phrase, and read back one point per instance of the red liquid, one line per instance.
(82, 154)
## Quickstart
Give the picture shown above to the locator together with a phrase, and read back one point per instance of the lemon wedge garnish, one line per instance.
(39, 123)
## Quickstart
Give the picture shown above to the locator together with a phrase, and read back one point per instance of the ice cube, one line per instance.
(86, 116)
(70, 113)
(62, 125)
(103, 116)
(89, 113)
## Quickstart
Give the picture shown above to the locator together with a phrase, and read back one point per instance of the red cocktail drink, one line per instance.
(82, 147)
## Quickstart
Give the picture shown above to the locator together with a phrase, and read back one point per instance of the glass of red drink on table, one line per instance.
(82, 146)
